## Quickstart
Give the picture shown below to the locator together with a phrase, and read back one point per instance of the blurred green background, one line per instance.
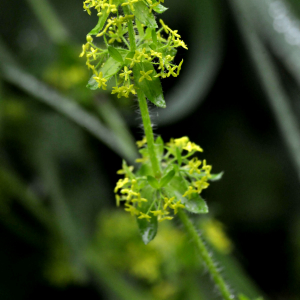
(61, 145)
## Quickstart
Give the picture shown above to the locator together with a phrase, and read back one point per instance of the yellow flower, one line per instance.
(122, 171)
(131, 209)
(181, 142)
(201, 184)
(101, 81)
(192, 147)
(144, 216)
(160, 219)
(176, 206)
(179, 67)
(189, 192)
(206, 168)
(125, 73)
(141, 143)
(194, 164)
(145, 75)
(130, 2)
(120, 184)
(157, 212)
(129, 193)
(168, 202)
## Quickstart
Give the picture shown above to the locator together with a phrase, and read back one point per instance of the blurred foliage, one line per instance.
(61, 144)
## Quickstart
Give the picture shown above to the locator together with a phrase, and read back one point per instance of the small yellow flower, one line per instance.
(176, 206)
(145, 75)
(129, 193)
(157, 212)
(181, 142)
(192, 147)
(120, 184)
(141, 143)
(160, 219)
(125, 73)
(130, 2)
(122, 171)
(101, 81)
(189, 192)
(206, 168)
(131, 209)
(168, 202)
(144, 216)
(179, 67)
(193, 165)
(201, 184)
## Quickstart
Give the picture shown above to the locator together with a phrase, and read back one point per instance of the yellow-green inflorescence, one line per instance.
(183, 179)
(117, 56)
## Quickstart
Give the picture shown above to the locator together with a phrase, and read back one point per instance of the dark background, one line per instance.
(225, 100)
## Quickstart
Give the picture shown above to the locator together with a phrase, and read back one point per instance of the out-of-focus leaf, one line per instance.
(271, 82)
(142, 13)
(153, 182)
(167, 178)
(152, 89)
(115, 54)
(196, 204)
(216, 177)
(159, 8)
(147, 229)
(276, 23)
(100, 24)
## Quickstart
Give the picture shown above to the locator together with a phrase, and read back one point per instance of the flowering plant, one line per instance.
(169, 180)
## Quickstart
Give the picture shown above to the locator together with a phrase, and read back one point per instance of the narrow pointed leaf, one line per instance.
(100, 24)
(215, 177)
(153, 182)
(115, 54)
(151, 88)
(147, 229)
(167, 178)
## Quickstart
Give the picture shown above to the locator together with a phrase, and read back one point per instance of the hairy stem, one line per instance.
(148, 132)
(144, 108)
(205, 255)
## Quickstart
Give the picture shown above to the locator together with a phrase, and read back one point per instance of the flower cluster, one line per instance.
(145, 57)
(183, 179)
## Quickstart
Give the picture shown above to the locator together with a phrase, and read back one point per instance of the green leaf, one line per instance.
(215, 177)
(140, 28)
(101, 22)
(167, 178)
(177, 187)
(115, 54)
(110, 68)
(152, 89)
(154, 37)
(160, 8)
(147, 229)
(142, 13)
(153, 182)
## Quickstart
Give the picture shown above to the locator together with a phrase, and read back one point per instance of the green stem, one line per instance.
(130, 30)
(206, 256)
(148, 132)
(144, 108)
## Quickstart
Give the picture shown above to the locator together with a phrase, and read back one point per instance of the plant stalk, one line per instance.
(144, 108)
(148, 132)
(206, 256)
